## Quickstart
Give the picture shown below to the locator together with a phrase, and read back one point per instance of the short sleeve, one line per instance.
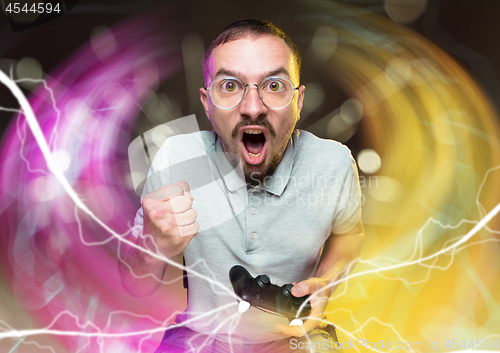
(348, 211)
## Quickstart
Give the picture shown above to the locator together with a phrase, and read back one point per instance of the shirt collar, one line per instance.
(234, 178)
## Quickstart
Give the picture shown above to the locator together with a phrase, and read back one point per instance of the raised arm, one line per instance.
(168, 227)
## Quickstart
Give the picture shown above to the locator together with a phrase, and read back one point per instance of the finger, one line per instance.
(309, 286)
(301, 289)
(166, 192)
(179, 204)
(189, 230)
(185, 218)
(160, 209)
(185, 187)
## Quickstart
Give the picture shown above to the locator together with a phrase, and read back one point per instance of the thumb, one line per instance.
(185, 186)
(301, 289)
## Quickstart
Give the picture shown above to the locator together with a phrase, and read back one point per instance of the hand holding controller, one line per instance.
(261, 293)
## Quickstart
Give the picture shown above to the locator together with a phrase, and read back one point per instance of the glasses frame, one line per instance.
(245, 91)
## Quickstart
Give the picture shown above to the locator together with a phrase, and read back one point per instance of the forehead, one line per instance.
(253, 58)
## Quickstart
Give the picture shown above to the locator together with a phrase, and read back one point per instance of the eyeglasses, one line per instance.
(228, 92)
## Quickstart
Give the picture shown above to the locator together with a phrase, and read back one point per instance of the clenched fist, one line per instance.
(169, 218)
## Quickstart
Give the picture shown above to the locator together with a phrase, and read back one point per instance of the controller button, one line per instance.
(287, 289)
(263, 281)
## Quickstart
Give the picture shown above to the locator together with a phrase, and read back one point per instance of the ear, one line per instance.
(204, 100)
(300, 98)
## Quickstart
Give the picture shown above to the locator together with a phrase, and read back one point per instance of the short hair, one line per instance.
(249, 27)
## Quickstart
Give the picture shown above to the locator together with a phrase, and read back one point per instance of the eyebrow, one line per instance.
(224, 72)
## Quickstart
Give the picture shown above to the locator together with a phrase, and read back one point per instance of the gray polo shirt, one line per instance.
(276, 228)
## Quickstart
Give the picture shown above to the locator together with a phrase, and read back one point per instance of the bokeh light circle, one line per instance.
(428, 121)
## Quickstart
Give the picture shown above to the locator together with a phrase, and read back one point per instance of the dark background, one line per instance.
(468, 30)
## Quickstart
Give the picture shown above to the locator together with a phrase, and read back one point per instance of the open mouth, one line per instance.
(254, 145)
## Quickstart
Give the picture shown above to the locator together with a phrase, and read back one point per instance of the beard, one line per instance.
(254, 174)
(254, 177)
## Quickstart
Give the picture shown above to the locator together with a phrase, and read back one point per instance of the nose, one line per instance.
(252, 105)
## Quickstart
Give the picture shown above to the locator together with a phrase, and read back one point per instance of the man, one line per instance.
(277, 201)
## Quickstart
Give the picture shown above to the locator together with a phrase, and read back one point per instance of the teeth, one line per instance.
(253, 132)
(254, 155)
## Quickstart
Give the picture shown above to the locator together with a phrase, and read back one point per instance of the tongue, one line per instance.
(254, 143)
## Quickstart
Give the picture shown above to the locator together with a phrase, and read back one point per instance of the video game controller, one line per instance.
(261, 293)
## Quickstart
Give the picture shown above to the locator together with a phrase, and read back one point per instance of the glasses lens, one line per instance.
(276, 92)
(226, 92)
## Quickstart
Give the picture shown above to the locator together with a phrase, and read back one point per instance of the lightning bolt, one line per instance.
(457, 245)
(379, 268)
(54, 169)
(79, 204)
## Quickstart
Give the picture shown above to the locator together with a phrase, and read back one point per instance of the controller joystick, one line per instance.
(287, 289)
(263, 281)
(261, 293)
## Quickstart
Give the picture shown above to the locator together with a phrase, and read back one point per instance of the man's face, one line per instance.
(255, 133)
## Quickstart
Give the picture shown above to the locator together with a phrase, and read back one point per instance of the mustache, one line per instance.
(261, 122)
